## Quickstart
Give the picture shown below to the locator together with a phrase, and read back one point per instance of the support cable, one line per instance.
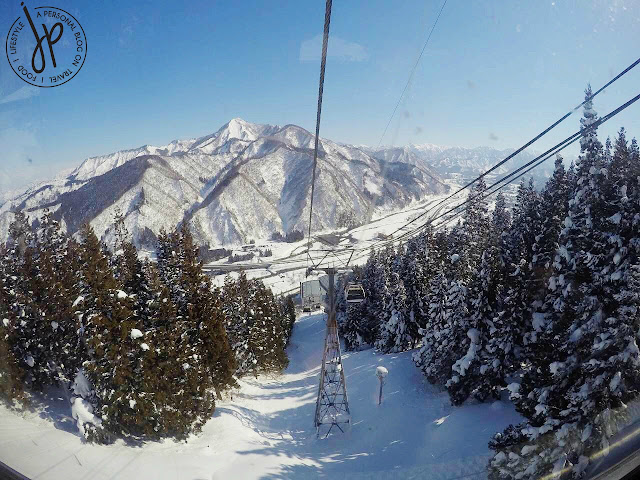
(526, 145)
(508, 178)
(323, 63)
(413, 70)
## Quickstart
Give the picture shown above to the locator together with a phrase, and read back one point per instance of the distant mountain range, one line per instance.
(459, 162)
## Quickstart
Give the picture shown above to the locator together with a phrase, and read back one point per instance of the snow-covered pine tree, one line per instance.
(354, 326)
(287, 316)
(56, 288)
(128, 268)
(374, 285)
(553, 208)
(456, 315)
(22, 292)
(589, 362)
(447, 312)
(499, 236)
(238, 320)
(499, 329)
(201, 311)
(106, 332)
(168, 401)
(515, 290)
(258, 325)
(475, 229)
(266, 336)
(470, 376)
(415, 271)
(11, 375)
(436, 333)
(394, 333)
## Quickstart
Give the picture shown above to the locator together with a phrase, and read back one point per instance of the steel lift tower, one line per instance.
(332, 405)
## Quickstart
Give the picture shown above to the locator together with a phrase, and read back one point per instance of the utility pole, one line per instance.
(332, 405)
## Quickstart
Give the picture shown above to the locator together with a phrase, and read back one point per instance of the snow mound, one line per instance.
(135, 333)
(81, 385)
(82, 413)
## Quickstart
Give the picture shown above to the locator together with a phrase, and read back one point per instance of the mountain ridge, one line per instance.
(244, 181)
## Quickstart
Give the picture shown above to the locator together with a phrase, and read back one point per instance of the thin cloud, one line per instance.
(22, 93)
(310, 50)
(127, 30)
(493, 136)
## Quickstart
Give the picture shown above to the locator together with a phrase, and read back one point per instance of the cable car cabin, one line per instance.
(354, 293)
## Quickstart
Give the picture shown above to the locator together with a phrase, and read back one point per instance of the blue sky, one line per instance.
(495, 73)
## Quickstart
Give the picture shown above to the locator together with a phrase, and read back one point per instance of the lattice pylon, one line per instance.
(332, 405)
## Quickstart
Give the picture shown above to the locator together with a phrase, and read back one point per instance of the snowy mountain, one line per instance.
(244, 181)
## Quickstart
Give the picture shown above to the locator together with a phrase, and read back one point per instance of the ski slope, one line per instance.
(265, 430)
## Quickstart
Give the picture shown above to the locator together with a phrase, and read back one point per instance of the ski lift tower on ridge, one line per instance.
(332, 404)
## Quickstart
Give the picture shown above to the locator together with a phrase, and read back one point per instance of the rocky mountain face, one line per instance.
(245, 181)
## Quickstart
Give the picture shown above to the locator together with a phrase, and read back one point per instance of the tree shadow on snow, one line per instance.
(53, 405)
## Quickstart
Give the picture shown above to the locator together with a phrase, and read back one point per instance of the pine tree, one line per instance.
(287, 316)
(200, 317)
(107, 332)
(586, 362)
(394, 331)
(374, 285)
(554, 208)
(266, 335)
(447, 314)
(56, 288)
(435, 335)
(258, 325)
(353, 329)
(23, 291)
(168, 401)
(11, 375)
(415, 270)
(475, 229)
(470, 375)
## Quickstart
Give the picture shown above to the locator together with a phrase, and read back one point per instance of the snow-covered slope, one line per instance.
(266, 430)
(245, 181)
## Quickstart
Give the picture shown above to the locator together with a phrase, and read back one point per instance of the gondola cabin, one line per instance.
(354, 293)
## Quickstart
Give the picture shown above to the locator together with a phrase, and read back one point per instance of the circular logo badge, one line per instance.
(46, 46)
